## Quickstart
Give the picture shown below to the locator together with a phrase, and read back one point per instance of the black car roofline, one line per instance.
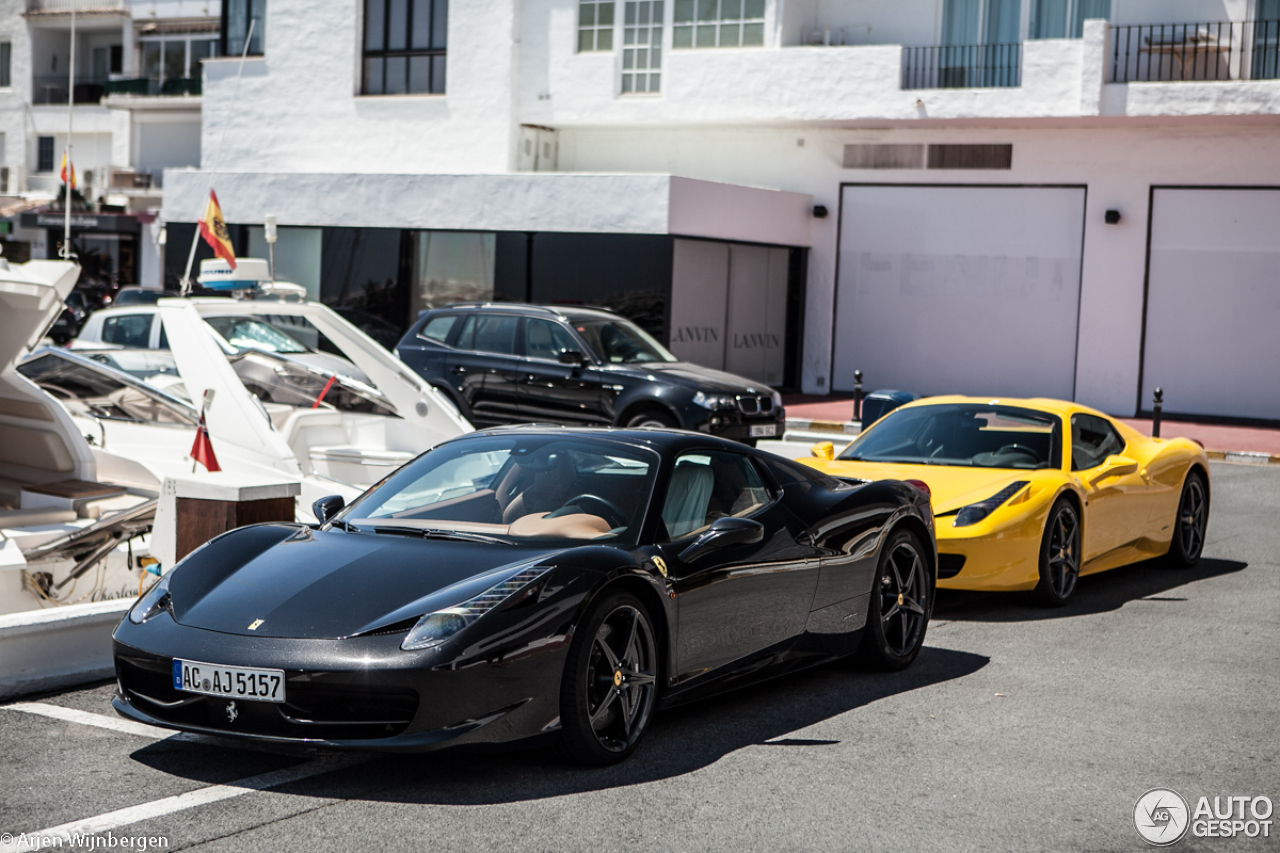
(563, 313)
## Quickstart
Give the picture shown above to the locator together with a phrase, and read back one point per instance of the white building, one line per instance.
(1072, 198)
(135, 112)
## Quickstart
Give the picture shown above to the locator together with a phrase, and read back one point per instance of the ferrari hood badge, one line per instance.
(253, 626)
(661, 564)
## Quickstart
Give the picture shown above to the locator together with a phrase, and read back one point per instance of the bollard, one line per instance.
(857, 395)
(1156, 409)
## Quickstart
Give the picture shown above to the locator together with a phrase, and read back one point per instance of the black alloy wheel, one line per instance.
(900, 606)
(1059, 555)
(610, 682)
(1190, 525)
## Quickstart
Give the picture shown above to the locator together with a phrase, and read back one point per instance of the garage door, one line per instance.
(959, 290)
(1212, 337)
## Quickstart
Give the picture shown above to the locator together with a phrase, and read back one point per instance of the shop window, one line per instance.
(718, 23)
(453, 266)
(405, 47)
(595, 25)
(237, 15)
(642, 46)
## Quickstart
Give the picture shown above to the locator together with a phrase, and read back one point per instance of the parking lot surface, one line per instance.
(1017, 729)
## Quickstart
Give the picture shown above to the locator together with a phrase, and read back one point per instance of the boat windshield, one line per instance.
(252, 333)
(278, 378)
(516, 488)
(970, 435)
(95, 390)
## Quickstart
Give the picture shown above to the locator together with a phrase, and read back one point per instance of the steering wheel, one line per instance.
(1018, 448)
(611, 514)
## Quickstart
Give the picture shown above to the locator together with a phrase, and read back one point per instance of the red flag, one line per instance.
(202, 450)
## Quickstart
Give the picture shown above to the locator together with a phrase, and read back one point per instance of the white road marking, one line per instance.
(191, 799)
(102, 721)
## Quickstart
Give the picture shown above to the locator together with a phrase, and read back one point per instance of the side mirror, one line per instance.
(824, 450)
(724, 533)
(326, 508)
(572, 357)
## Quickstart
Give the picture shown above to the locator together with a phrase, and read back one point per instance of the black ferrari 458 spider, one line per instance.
(531, 581)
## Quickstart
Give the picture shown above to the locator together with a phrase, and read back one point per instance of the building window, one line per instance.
(236, 17)
(6, 56)
(642, 46)
(405, 44)
(1054, 19)
(173, 64)
(595, 25)
(44, 162)
(718, 23)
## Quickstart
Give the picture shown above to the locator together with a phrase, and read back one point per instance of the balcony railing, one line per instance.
(151, 86)
(962, 66)
(1227, 50)
(79, 5)
(53, 90)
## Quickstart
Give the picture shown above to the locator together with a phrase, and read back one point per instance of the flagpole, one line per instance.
(185, 284)
(66, 154)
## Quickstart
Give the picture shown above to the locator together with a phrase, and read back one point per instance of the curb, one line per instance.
(1246, 457)
(840, 427)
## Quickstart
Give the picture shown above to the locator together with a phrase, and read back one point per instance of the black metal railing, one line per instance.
(53, 90)
(1224, 50)
(152, 86)
(962, 66)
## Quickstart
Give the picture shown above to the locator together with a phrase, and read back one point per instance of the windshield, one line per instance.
(971, 435)
(515, 488)
(274, 378)
(621, 342)
(251, 333)
(89, 392)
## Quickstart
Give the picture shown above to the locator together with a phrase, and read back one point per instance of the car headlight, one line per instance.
(434, 628)
(975, 512)
(714, 401)
(153, 602)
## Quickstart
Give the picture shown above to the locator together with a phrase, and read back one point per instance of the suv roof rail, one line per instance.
(555, 310)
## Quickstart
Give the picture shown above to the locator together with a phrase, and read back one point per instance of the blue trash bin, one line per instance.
(880, 403)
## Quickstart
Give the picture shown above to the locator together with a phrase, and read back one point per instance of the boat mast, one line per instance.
(70, 169)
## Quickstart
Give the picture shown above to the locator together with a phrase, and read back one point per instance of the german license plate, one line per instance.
(236, 682)
(764, 430)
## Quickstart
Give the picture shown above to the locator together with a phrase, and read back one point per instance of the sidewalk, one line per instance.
(1233, 443)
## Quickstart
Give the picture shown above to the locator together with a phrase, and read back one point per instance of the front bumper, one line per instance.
(731, 424)
(361, 693)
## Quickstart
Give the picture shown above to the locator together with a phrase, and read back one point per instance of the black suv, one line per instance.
(507, 363)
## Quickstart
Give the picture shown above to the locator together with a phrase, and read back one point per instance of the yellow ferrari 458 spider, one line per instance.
(1020, 507)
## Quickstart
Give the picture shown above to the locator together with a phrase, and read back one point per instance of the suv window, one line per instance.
(708, 485)
(1092, 441)
(495, 333)
(128, 330)
(545, 339)
(438, 328)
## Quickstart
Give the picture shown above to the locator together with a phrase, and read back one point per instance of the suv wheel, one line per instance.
(653, 418)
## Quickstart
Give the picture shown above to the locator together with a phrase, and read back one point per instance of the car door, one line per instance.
(427, 349)
(550, 391)
(1116, 490)
(484, 368)
(736, 602)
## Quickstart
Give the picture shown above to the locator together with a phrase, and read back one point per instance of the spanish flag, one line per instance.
(213, 228)
(68, 170)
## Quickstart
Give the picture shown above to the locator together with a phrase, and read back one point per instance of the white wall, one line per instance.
(166, 144)
(1117, 164)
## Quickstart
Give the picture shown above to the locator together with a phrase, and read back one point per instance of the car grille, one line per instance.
(312, 710)
(751, 405)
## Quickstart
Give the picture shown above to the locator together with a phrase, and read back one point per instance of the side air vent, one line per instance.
(970, 156)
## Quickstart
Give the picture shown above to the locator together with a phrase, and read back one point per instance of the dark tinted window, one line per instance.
(128, 330)
(438, 328)
(971, 435)
(495, 333)
(545, 339)
(1092, 441)
(140, 297)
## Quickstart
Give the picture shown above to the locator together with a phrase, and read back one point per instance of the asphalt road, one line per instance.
(1017, 729)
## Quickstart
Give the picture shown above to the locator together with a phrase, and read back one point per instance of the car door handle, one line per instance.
(459, 370)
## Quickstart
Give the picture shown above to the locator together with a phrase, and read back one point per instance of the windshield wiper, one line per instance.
(432, 533)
